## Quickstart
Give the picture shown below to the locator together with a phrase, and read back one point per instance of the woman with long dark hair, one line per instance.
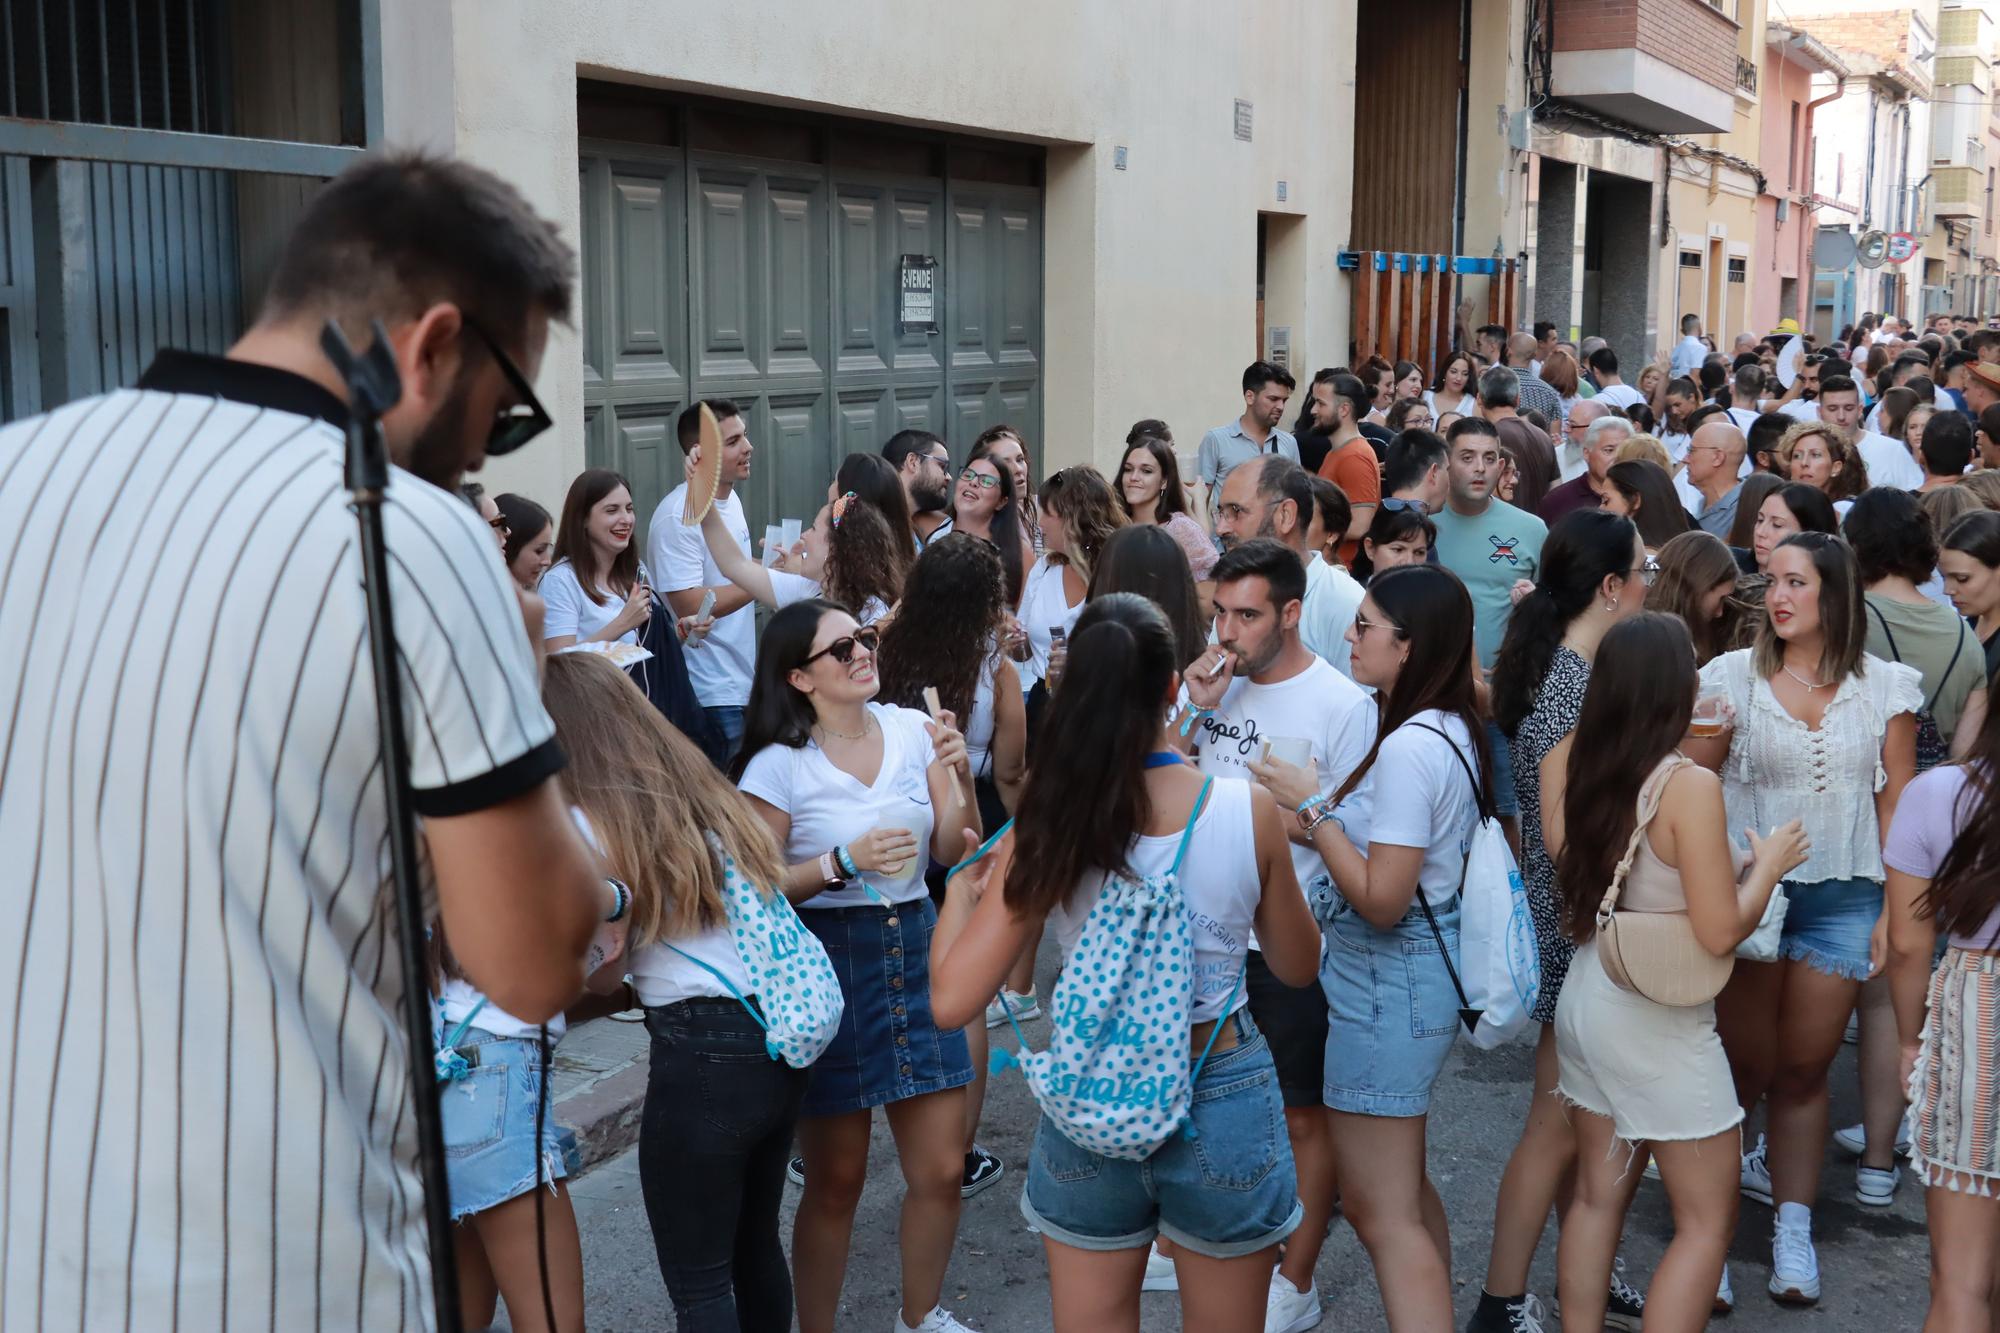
(869, 477)
(1150, 492)
(946, 635)
(1142, 558)
(1824, 733)
(1453, 389)
(987, 504)
(1397, 864)
(858, 793)
(1635, 1074)
(1793, 508)
(1594, 571)
(1644, 493)
(1697, 578)
(531, 539)
(596, 591)
(1970, 563)
(1943, 859)
(1009, 448)
(1111, 796)
(851, 556)
(719, 1113)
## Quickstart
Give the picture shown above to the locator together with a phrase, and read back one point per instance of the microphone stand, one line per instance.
(373, 387)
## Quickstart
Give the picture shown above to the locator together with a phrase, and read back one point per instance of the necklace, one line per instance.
(1809, 684)
(867, 721)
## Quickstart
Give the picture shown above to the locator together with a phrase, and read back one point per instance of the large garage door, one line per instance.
(728, 254)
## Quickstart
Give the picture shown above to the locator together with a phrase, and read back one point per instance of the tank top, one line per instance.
(1219, 882)
(979, 726)
(1652, 885)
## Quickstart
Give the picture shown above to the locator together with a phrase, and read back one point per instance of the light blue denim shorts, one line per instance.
(488, 1116)
(1393, 1011)
(1828, 924)
(1232, 1190)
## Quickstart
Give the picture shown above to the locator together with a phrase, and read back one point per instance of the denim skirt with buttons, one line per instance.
(888, 1048)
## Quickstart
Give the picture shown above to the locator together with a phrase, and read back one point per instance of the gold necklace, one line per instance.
(867, 721)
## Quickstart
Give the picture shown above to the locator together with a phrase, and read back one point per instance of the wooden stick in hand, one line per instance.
(961, 784)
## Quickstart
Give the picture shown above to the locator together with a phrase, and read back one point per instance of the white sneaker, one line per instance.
(1161, 1275)
(1756, 1174)
(1854, 1141)
(1025, 1006)
(1794, 1266)
(1875, 1188)
(1725, 1296)
(939, 1320)
(1289, 1310)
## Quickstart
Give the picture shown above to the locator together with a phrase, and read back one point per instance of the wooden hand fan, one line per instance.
(706, 475)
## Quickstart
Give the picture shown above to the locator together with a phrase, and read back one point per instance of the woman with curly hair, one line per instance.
(870, 478)
(851, 556)
(1824, 457)
(1079, 514)
(946, 635)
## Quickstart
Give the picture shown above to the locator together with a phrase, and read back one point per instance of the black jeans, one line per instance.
(713, 1142)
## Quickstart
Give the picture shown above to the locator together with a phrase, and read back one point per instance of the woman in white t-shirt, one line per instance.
(596, 591)
(1111, 793)
(1079, 513)
(720, 1111)
(853, 790)
(849, 555)
(1395, 836)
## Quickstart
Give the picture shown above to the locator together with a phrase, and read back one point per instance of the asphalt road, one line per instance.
(1872, 1262)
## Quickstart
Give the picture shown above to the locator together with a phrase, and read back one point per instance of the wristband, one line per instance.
(846, 862)
(1194, 715)
(623, 896)
(827, 873)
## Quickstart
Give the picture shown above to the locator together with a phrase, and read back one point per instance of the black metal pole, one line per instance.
(373, 387)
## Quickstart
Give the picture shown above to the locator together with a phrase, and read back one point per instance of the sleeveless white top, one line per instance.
(1219, 882)
(1780, 770)
(979, 727)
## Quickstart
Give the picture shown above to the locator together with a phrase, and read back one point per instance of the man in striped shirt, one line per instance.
(205, 1121)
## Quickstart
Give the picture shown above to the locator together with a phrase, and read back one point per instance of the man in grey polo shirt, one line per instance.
(1266, 390)
(1715, 471)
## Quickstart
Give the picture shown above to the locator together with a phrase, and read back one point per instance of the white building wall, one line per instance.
(1150, 273)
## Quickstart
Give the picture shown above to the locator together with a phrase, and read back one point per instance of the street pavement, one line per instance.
(1873, 1261)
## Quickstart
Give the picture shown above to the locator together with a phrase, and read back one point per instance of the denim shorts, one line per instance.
(489, 1124)
(1393, 1011)
(1231, 1190)
(1828, 924)
(1505, 802)
(887, 1048)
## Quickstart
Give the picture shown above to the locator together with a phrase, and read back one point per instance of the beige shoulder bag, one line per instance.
(1655, 954)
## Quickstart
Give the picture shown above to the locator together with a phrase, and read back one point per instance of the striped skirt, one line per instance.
(1955, 1086)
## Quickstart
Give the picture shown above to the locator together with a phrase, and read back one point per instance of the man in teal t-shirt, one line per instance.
(1488, 543)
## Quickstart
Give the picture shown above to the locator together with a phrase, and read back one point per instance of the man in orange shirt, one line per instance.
(1351, 463)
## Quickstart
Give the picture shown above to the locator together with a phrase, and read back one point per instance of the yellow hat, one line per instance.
(1788, 326)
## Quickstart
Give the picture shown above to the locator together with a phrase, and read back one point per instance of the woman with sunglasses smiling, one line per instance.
(858, 793)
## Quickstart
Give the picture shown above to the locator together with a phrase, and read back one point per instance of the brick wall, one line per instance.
(1690, 35)
(1883, 34)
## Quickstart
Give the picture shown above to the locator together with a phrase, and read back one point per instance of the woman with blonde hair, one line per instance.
(1645, 449)
(719, 1113)
(1984, 485)
(1823, 456)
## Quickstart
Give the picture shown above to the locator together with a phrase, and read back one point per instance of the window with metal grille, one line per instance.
(142, 63)
(1690, 259)
(1739, 270)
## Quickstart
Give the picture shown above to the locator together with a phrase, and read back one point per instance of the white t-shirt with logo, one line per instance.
(830, 807)
(720, 666)
(1419, 796)
(1320, 706)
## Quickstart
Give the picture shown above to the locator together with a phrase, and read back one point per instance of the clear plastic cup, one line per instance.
(792, 529)
(1711, 714)
(1292, 749)
(774, 541)
(911, 868)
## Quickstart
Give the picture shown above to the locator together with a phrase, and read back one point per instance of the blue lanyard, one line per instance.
(1165, 758)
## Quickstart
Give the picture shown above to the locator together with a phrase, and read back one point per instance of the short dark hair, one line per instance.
(1947, 446)
(1543, 328)
(687, 429)
(1908, 359)
(398, 232)
(1832, 364)
(1604, 361)
(1494, 331)
(1354, 391)
(904, 443)
(1890, 535)
(1763, 434)
(1682, 387)
(1335, 513)
(1702, 415)
(1259, 373)
(1471, 426)
(1954, 359)
(1835, 384)
(1272, 561)
(1411, 454)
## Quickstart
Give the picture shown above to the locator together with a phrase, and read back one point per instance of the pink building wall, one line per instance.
(1783, 250)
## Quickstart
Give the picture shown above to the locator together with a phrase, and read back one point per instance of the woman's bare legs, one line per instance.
(511, 1247)
(1540, 1174)
(1607, 1175)
(1702, 1179)
(1383, 1194)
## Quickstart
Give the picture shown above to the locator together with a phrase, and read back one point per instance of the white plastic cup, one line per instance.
(911, 868)
(1292, 749)
(774, 540)
(792, 528)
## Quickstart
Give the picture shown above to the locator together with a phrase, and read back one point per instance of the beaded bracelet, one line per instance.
(1194, 715)
(624, 900)
(846, 862)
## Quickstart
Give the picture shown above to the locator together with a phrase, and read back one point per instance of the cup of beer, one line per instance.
(1710, 713)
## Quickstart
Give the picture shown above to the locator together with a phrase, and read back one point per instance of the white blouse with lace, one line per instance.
(1779, 769)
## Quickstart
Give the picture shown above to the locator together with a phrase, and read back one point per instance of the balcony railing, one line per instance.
(1746, 75)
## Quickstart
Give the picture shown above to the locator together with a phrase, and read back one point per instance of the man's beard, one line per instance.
(931, 499)
(438, 453)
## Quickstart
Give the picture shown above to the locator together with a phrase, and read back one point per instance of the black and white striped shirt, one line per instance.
(203, 1111)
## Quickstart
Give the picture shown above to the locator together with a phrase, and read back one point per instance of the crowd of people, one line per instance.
(1690, 641)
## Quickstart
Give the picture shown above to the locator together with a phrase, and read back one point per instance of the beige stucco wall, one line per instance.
(1150, 273)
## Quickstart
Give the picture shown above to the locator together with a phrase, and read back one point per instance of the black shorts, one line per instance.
(1293, 1020)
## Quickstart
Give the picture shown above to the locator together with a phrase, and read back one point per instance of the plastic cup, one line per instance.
(1709, 715)
(1292, 749)
(911, 868)
(792, 529)
(774, 541)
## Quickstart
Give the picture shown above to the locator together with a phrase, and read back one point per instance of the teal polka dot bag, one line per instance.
(1116, 1079)
(790, 974)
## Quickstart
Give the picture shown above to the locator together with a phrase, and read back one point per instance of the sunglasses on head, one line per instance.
(512, 426)
(1414, 506)
(841, 649)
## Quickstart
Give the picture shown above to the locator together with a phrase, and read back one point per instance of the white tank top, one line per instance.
(1219, 882)
(979, 726)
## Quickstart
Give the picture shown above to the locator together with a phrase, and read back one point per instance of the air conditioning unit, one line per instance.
(1784, 209)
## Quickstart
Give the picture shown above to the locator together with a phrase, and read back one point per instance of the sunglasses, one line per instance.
(842, 649)
(498, 525)
(512, 426)
(1414, 506)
